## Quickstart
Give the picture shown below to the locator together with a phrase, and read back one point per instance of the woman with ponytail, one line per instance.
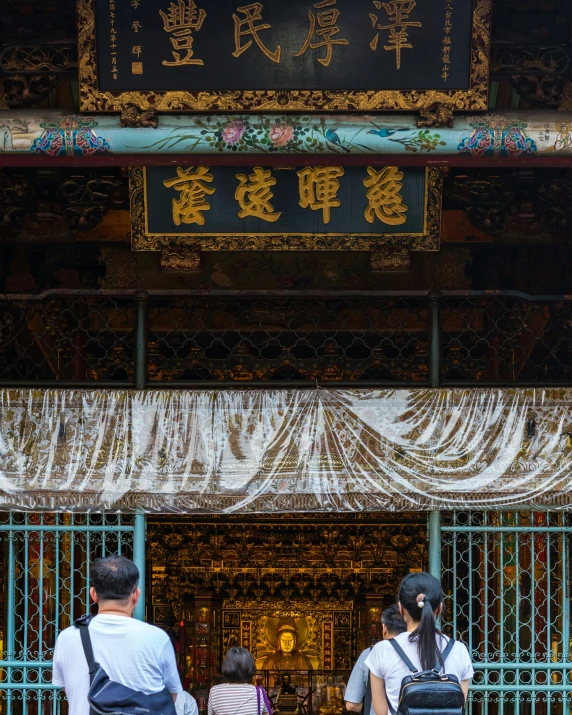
(420, 603)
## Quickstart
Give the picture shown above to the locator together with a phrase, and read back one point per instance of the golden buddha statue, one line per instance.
(287, 655)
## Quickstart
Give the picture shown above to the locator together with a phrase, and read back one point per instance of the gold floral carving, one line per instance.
(427, 241)
(474, 98)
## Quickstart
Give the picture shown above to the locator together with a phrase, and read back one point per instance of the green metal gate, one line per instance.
(45, 572)
(506, 578)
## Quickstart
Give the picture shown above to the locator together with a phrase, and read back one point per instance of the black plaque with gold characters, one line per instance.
(305, 208)
(231, 55)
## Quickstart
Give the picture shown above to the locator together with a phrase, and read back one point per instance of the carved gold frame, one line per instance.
(429, 240)
(92, 99)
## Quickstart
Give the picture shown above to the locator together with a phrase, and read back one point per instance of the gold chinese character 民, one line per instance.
(245, 27)
(384, 199)
(181, 19)
(190, 183)
(254, 195)
(398, 12)
(319, 187)
(327, 30)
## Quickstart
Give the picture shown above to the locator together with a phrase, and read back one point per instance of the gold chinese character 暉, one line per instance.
(398, 12)
(319, 187)
(190, 183)
(384, 199)
(181, 19)
(245, 27)
(327, 30)
(254, 195)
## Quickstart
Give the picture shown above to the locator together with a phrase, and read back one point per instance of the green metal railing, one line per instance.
(506, 578)
(46, 587)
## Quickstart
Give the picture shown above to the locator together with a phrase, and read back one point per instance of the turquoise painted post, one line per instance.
(11, 614)
(435, 544)
(139, 530)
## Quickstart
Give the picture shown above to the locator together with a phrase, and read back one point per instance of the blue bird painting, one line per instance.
(384, 133)
(333, 138)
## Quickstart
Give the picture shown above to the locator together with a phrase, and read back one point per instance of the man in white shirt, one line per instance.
(133, 653)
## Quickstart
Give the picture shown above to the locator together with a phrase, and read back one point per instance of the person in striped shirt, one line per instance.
(237, 695)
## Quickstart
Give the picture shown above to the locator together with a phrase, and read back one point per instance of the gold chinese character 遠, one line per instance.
(327, 30)
(190, 183)
(181, 19)
(384, 199)
(254, 195)
(245, 27)
(319, 187)
(398, 12)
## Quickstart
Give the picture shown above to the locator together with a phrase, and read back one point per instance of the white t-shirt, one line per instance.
(131, 652)
(186, 704)
(384, 662)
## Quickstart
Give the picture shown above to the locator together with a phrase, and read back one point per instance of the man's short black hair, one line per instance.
(393, 620)
(114, 578)
(238, 666)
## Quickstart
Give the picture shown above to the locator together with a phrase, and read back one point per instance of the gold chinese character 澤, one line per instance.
(384, 200)
(245, 27)
(190, 183)
(181, 19)
(327, 30)
(319, 187)
(398, 12)
(254, 195)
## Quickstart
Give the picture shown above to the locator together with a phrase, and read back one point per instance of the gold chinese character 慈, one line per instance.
(245, 27)
(181, 19)
(254, 195)
(326, 31)
(384, 200)
(398, 12)
(190, 183)
(319, 187)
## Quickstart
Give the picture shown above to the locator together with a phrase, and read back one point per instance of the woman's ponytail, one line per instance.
(421, 595)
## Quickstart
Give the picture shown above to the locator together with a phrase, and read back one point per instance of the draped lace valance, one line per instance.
(285, 450)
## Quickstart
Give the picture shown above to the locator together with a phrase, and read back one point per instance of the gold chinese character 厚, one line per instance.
(384, 200)
(190, 183)
(245, 27)
(254, 195)
(319, 187)
(398, 12)
(181, 19)
(327, 30)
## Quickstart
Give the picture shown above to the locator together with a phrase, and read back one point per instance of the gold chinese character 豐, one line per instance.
(181, 19)
(319, 187)
(245, 27)
(190, 183)
(398, 12)
(327, 30)
(384, 200)
(254, 195)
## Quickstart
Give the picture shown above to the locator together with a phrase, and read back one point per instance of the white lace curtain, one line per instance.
(285, 450)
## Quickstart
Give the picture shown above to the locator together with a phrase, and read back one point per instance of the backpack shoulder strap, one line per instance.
(83, 625)
(401, 654)
(445, 654)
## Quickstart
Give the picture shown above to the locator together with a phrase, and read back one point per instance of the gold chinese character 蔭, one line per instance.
(326, 31)
(398, 12)
(384, 200)
(190, 183)
(254, 195)
(319, 187)
(245, 27)
(181, 19)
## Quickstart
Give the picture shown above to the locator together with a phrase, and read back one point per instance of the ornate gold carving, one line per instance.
(120, 268)
(18, 91)
(180, 260)
(428, 241)
(133, 117)
(393, 259)
(440, 115)
(474, 98)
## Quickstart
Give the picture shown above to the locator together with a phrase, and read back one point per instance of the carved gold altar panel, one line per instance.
(227, 56)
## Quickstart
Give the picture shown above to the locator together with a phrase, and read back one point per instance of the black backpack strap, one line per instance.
(83, 625)
(445, 655)
(401, 654)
